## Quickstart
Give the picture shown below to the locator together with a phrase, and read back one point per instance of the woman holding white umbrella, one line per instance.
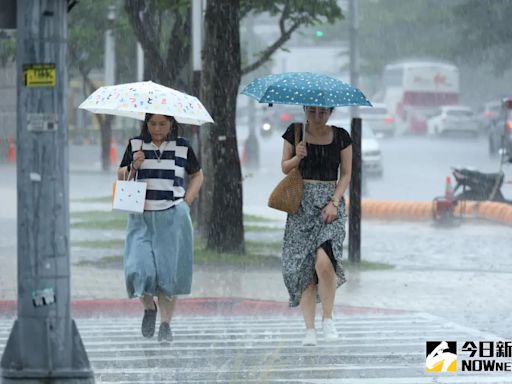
(159, 243)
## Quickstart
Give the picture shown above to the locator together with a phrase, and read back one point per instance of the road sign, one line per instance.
(39, 75)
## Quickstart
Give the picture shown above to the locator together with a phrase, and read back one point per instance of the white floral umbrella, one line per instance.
(136, 99)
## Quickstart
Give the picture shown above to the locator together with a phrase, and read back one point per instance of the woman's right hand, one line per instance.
(301, 151)
(138, 158)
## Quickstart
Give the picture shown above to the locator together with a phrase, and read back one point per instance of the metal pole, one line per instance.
(44, 344)
(197, 39)
(354, 234)
(251, 145)
(110, 49)
(109, 66)
(354, 50)
(354, 215)
(140, 62)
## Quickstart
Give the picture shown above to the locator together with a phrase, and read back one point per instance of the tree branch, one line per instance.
(282, 19)
(146, 36)
(269, 51)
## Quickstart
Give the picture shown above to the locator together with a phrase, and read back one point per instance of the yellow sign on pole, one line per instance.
(39, 75)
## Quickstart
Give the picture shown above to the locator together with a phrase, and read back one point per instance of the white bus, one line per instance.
(412, 91)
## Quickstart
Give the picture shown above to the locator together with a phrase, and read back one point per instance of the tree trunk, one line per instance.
(220, 82)
(105, 122)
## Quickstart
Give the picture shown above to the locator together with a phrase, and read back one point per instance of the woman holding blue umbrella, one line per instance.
(313, 238)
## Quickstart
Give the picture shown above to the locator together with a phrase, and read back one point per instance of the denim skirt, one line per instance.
(158, 255)
(304, 233)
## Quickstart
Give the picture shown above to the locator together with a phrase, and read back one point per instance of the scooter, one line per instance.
(478, 186)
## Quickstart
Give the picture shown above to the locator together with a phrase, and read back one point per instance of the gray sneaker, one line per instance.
(164, 333)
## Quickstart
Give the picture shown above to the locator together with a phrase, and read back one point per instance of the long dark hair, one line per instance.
(173, 133)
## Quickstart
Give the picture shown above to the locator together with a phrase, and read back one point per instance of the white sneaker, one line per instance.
(329, 329)
(309, 338)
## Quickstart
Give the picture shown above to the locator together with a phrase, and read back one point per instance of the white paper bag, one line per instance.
(129, 196)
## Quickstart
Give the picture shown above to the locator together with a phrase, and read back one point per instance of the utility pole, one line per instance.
(197, 45)
(354, 217)
(140, 62)
(109, 66)
(110, 48)
(44, 344)
(252, 148)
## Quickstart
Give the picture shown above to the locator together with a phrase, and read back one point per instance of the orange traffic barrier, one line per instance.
(422, 210)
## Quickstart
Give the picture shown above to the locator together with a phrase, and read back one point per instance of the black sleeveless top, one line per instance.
(323, 160)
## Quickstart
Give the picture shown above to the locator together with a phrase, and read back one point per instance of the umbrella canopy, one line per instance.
(305, 88)
(136, 99)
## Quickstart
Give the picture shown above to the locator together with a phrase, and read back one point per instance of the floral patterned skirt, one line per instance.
(305, 232)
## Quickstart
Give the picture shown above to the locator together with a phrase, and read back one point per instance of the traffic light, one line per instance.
(319, 33)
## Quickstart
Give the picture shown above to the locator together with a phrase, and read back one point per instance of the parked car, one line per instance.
(370, 148)
(378, 119)
(500, 132)
(453, 119)
(487, 114)
(371, 153)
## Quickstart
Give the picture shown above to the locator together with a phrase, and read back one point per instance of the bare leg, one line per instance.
(166, 305)
(308, 306)
(326, 282)
(147, 302)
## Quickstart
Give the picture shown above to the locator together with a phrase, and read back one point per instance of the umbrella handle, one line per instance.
(304, 123)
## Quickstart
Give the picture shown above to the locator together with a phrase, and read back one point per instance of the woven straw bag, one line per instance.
(287, 195)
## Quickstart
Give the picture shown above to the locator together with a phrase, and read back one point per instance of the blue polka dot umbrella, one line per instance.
(305, 88)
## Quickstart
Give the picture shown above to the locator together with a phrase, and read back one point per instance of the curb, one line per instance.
(500, 213)
(193, 307)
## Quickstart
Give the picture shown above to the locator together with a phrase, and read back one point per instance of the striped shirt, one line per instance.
(163, 170)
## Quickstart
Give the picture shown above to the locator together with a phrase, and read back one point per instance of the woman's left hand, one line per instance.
(329, 213)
